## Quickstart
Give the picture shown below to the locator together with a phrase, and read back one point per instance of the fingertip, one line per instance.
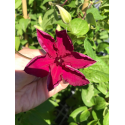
(62, 85)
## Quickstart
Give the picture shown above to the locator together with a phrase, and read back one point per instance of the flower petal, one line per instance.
(64, 43)
(47, 42)
(39, 66)
(54, 76)
(74, 77)
(78, 60)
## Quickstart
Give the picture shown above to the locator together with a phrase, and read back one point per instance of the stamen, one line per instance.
(59, 60)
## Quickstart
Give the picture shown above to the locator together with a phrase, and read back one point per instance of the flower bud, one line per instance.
(66, 17)
(38, 27)
(40, 20)
(58, 28)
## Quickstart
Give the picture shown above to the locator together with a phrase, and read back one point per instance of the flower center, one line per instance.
(59, 61)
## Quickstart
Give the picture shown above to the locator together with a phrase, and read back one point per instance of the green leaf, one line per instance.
(24, 23)
(23, 42)
(95, 13)
(103, 33)
(84, 115)
(65, 26)
(103, 6)
(102, 46)
(106, 110)
(71, 4)
(72, 123)
(19, 32)
(79, 27)
(49, 18)
(104, 36)
(33, 16)
(76, 2)
(94, 115)
(32, 47)
(89, 49)
(77, 111)
(82, 1)
(17, 43)
(45, 1)
(95, 75)
(87, 95)
(100, 103)
(90, 19)
(30, 1)
(80, 114)
(17, 3)
(94, 122)
(107, 95)
(100, 65)
(106, 119)
(98, 72)
(103, 87)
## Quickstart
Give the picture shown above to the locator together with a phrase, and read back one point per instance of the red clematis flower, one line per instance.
(60, 62)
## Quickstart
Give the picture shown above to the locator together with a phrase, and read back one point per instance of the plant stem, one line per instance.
(90, 108)
(85, 11)
(84, 7)
(64, 3)
(22, 55)
(24, 6)
(70, 27)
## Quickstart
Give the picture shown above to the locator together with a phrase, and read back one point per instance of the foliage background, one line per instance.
(86, 105)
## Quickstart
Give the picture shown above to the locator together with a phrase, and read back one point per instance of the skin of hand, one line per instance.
(31, 91)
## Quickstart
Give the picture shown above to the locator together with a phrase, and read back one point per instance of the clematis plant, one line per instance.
(60, 61)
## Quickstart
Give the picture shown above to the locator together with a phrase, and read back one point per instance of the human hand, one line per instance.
(31, 91)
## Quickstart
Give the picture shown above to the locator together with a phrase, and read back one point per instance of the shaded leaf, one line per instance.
(47, 106)
(36, 119)
(90, 19)
(32, 47)
(45, 1)
(102, 46)
(100, 103)
(94, 114)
